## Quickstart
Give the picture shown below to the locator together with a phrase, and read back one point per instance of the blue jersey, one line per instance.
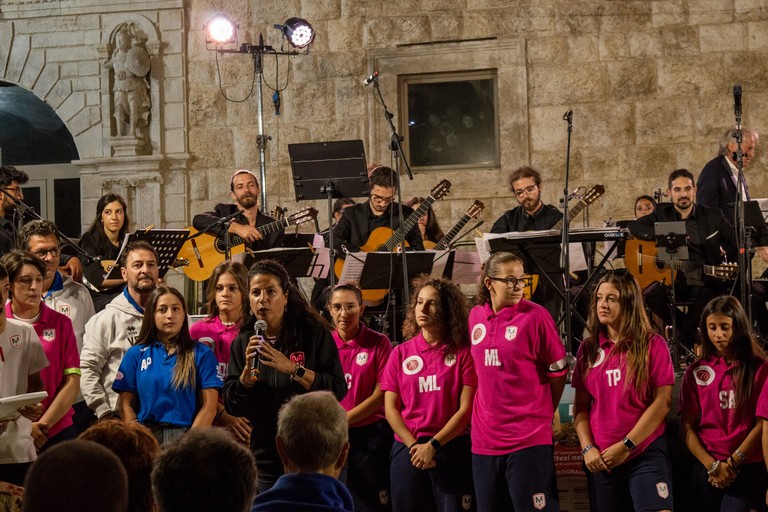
(147, 370)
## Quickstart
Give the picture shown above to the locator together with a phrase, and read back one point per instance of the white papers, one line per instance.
(10, 404)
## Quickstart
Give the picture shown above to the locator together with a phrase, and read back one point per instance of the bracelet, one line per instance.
(713, 467)
(629, 443)
(586, 449)
(414, 444)
(740, 455)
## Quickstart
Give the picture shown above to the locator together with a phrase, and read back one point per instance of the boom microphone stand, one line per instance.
(742, 237)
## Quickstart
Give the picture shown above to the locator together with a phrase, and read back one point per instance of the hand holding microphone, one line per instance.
(259, 327)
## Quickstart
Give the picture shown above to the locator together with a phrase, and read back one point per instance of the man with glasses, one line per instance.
(532, 215)
(61, 294)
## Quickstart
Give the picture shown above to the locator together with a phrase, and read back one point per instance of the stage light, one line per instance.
(298, 32)
(220, 31)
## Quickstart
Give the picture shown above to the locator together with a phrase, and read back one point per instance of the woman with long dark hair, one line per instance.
(428, 225)
(227, 307)
(102, 240)
(623, 381)
(429, 385)
(718, 400)
(294, 354)
(168, 381)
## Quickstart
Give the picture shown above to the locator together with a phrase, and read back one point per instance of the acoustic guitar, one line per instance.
(641, 258)
(206, 251)
(384, 239)
(472, 213)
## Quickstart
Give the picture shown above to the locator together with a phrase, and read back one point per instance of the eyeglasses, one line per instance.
(525, 191)
(512, 282)
(347, 308)
(42, 253)
(379, 199)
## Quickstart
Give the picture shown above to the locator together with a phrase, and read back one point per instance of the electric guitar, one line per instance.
(384, 239)
(472, 213)
(640, 258)
(206, 251)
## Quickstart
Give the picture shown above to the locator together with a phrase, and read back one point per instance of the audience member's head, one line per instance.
(79, 475)
(312, 434)
(204, 470)
(136, 447)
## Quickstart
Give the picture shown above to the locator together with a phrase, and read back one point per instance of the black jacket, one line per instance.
(204, 220)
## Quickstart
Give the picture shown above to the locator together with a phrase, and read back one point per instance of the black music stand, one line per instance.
(299, 262)
(166, 243)
(324, 170)
(672, 245)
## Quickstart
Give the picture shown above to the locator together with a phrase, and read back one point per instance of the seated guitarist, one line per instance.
(710, 236)
(245, 194)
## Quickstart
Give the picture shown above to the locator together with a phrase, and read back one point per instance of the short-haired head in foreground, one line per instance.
(312, 434)
(76, 475)
(136, 447)
(204, 470)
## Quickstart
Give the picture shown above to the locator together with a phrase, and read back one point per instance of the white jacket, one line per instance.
(108, 336)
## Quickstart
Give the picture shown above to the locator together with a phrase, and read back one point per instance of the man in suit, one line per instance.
(245, 192)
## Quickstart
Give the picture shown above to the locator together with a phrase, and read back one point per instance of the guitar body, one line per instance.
(429, 245)
(640, 259)
(210, 250)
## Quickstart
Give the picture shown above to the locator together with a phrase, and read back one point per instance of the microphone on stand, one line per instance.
(259, 326)
(737, 100)
(371, 78)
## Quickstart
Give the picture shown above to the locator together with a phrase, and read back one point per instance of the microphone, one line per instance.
(259, 326)
(371, 78)
(737, 99)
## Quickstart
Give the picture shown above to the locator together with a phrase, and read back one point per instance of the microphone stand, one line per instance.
(397, 153)
(223, 221)
(565, 254)
(743, 242)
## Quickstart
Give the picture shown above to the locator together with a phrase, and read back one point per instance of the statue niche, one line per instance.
(130, 64)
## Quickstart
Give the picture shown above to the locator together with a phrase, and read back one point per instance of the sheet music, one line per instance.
(321, 262)
(466, 268)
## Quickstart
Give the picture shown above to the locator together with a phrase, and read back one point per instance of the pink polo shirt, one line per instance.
(708, 390)
(616, 406)
(762, 403)
(515, 351)
(217, 336)
(363, 359)
(60, 346)
(429, 383)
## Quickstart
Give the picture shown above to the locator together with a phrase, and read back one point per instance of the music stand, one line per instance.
(327, 170)
(299, 262)
(166, 243)
(672, 245)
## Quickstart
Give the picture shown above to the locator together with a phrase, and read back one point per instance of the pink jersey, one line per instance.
(515, 351)
(217, 336)
(429, 383)
(60, 346)
(762, 403)
(363, 359)
(616, 406)
(708, 390)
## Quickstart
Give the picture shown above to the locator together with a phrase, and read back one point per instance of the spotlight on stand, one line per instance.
(220, 31)
(298, 32)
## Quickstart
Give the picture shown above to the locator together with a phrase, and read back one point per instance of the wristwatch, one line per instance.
(435, 444)
(298, 372)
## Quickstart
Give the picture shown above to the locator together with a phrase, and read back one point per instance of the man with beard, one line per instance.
(110, 333)
(532, 215)
(709, 233)
(245, 194)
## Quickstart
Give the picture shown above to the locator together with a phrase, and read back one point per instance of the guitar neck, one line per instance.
(266, 229)
(406, 227)
(572, 213)
(443, 243)
(683, 265)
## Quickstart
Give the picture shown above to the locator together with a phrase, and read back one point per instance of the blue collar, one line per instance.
(131, 301)
(56, 285)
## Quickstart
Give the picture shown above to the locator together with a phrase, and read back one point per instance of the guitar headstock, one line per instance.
(476, 209)
(593, 194)
(441, 190)
(727, 271)
(308, 214)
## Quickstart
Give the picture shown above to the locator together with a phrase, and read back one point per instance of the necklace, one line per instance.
(227, 324)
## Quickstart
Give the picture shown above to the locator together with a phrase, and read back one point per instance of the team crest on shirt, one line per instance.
(704, 375)
(600, 357)
(15, 341)
(510, 333)
(663, 489)
(297, 358)
(362, 358)
(64, 309)
(412, 365)
(49, 334)
(383, 496)
(119, 376)
(450, 360)
(466, 501)
(478, 334)
(539, 501)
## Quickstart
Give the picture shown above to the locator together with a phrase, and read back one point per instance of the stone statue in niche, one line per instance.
(130, 63)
